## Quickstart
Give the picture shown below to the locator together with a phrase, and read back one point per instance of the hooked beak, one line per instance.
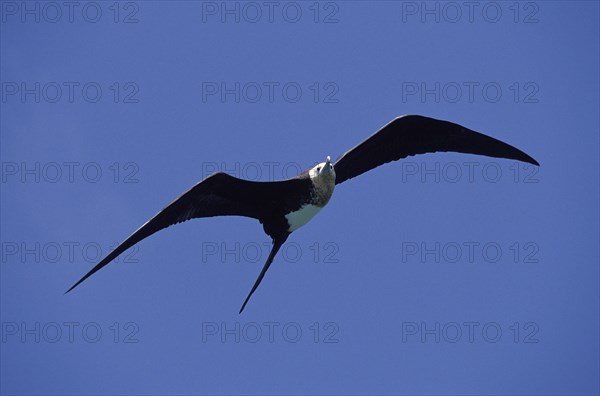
(326, 168)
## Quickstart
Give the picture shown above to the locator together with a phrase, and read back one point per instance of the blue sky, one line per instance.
(440, 274)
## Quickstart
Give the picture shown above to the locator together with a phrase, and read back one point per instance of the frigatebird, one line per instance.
(284, 206)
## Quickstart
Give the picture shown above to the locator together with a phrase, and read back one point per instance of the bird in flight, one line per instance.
(284, 206)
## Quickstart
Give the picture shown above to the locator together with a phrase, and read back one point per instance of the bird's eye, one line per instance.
(318, 169)
(330, 166)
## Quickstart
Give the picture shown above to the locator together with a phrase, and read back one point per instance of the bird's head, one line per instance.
(323, 171)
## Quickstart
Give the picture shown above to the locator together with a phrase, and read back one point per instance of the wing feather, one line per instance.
(412, 135)
(217, 195)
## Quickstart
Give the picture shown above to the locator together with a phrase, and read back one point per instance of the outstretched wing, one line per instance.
(217, 195)
(413, 134)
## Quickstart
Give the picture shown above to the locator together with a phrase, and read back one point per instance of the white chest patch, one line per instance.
(302, 216)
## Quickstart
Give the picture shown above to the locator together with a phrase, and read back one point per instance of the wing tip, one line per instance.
(524, 157)
(244, 304)
(74, 286)
(90, 273)
(534, 161)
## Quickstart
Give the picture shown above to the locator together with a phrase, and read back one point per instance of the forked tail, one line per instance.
(277, 243)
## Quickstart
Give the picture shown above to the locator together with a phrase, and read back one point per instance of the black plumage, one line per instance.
(272, 203)
(414, 134)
